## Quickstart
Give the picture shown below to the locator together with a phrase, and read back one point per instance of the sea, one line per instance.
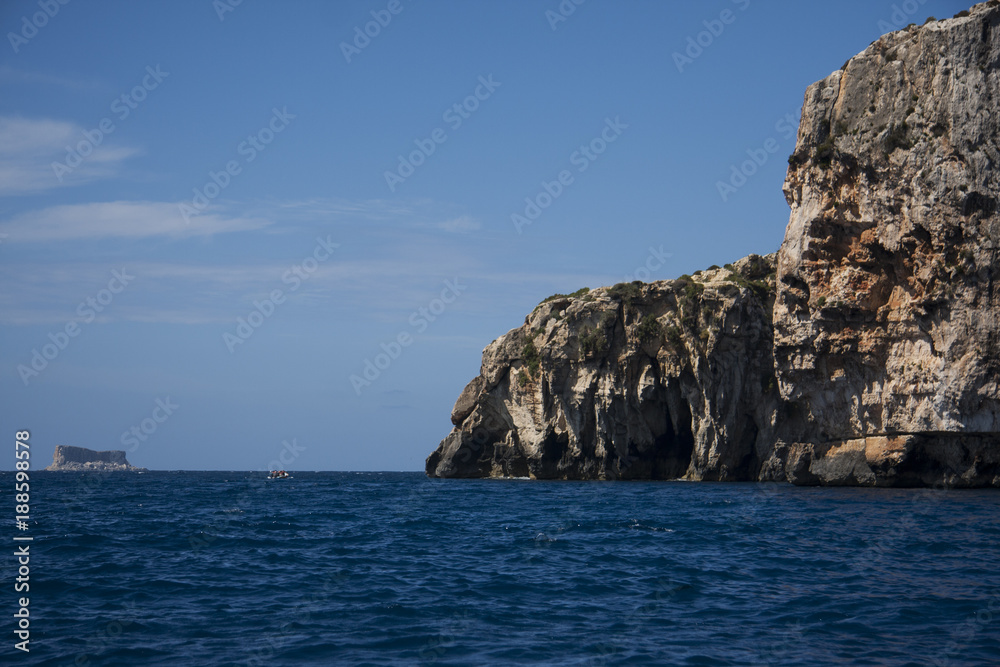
(366, 568)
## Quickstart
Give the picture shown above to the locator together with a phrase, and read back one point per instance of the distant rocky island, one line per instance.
(77, 459)
(866, 351)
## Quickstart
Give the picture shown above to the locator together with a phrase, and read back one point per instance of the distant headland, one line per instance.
(75, 459)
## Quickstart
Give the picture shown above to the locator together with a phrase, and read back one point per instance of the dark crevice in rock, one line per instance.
(976, 202)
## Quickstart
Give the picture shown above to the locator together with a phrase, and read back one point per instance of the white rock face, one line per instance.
(639, 381)
(886, 319)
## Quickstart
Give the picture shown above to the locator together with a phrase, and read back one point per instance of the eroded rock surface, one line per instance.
(886, 317)
(872, 359)
(636, 381)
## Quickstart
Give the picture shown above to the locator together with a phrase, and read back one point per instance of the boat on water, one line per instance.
(278, 474)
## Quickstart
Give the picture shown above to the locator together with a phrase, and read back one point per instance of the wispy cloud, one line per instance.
(29, 147)
(119, 219)
(419, 214)
(325, 208)
(383, 271)
(384, 290)
(461, 224)
(11, 75)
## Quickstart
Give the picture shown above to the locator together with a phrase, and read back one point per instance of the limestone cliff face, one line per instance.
(81, 458)
(872, 359)
(886, 317)
(635, 381)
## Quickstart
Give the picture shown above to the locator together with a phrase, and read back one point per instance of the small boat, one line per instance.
(278, 474)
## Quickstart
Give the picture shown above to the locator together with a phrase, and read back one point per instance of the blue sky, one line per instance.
(213, 216)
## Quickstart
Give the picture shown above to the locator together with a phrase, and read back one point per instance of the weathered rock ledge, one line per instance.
(866, 352)
(76, 459)
(636, 381)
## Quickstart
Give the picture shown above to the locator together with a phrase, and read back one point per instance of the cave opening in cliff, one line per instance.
(673, 443)
(674, 449)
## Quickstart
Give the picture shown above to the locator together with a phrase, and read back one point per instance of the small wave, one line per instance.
(635, 524)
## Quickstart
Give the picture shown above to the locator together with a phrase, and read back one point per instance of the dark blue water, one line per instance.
(392, 568)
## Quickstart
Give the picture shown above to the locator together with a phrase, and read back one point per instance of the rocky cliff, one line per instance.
(636, 381)
(886, 317)
(81, 458)
(870, 358)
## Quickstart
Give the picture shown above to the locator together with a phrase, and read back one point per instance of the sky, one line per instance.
(239, 235)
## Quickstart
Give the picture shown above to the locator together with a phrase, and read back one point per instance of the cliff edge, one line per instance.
(636, 381)
(67, 458)
(864, 353)
(886, 318)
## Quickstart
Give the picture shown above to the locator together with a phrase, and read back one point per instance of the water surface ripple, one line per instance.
(213, 568)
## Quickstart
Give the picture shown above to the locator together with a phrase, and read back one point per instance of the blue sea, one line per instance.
(225, 568)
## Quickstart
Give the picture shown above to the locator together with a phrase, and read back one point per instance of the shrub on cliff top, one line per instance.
(759, 287)
(693, 290)
(580, 292)
(627, 293)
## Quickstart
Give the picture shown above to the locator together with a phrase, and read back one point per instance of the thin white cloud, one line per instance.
(11, 75)
(374, 275)
(461, 224)
(119, 219)
(416, 214)
(195, 293)
(21, 136)
(323, 208)
(29, 148)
